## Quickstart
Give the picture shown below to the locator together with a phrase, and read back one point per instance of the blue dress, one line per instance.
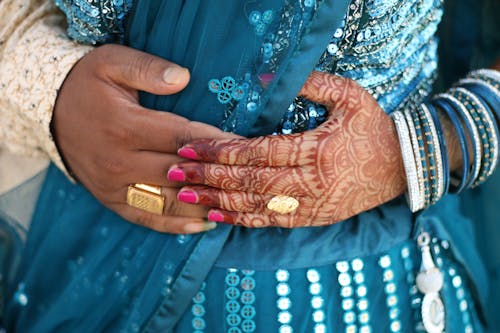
(84, 269)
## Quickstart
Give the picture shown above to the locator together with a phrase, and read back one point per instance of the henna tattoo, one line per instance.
(348, 165)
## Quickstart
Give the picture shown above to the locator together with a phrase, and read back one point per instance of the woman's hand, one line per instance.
(109, 141)
(349, 164)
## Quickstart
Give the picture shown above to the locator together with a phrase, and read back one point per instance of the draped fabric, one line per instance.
(87, 270)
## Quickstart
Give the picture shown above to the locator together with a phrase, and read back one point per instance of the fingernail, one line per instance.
(187, 196)
(188, 153)
(199, 227)
(216, 216)
(176, 175)
(173, 74)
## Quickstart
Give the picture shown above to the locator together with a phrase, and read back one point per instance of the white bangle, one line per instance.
(413, 194)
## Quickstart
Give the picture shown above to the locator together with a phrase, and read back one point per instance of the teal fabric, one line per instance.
(87, 270)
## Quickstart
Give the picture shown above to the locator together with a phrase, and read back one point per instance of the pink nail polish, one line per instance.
(215, 216)
(187, 196)
(176, 175)
(188, 153)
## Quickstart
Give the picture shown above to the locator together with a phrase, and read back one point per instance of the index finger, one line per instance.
(274, 150)
(166, 132)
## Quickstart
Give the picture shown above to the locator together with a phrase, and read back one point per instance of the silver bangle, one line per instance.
(413, 193)
(418, 163)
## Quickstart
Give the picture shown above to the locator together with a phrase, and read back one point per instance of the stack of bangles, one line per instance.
(473, 108)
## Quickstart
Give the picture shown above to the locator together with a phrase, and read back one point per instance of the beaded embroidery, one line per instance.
(95, 21)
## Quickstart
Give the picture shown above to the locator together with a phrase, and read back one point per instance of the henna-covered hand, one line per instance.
(349, 164)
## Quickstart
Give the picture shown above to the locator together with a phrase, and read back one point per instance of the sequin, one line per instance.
(284, 303)
(346, 292)
(318, 316)
(361, 291)
(312, 275)
(348, 304)
(344, 279)
(247, 283)
(359, 278)
(349, 317)
(385, 261)
(357, 265)
(396, 326)
(198, 310)
(285, 329)
(248, 326)
(247, 297)
(363, 304)
(342, 266)
(284, 317)
(232, 306)
(232, 293)
(233, 319)
(351, 329)
(388, 275)
(198, 323)
(457, 281)
(232, 280)
(283, 289)
(392, 300)
(248, 312)
(390, 288)
(320, 328)
(317, 302)
(364, 317)
(282, 275)
(365, 329)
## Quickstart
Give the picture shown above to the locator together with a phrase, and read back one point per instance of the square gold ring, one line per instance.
(146, 197)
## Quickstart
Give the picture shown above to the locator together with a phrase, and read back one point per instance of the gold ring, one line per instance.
(283, 204)
(146, 197)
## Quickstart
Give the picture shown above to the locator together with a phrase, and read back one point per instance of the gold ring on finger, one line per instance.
(283, 204)
(146, 197)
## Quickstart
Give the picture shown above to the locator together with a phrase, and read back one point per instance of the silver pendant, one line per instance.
(429, 282)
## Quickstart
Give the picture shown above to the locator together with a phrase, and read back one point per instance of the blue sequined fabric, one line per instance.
(95, 21)
(388, 47)
(376, 293)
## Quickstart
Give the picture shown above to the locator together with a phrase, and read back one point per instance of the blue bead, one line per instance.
(309, 3)
(252, 106)
(268, 16)
(260, 29)
(254, 17)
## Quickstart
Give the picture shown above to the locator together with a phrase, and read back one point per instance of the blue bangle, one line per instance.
(431, 154)
(457, 184)
(445, 173)
(472, 131)
(491, 156)
(422, 156)
(487, 129)
(486, 91)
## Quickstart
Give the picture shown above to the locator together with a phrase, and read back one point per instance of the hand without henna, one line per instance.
(109, 141)
(349, 164)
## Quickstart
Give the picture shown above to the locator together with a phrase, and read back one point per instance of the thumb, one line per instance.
(142, 71)
(326, 89)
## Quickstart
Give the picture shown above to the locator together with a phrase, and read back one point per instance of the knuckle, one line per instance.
(122, 134)
(185, 135)
(139, 67)
(113, 166)
(145, 219)
(171, 205)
